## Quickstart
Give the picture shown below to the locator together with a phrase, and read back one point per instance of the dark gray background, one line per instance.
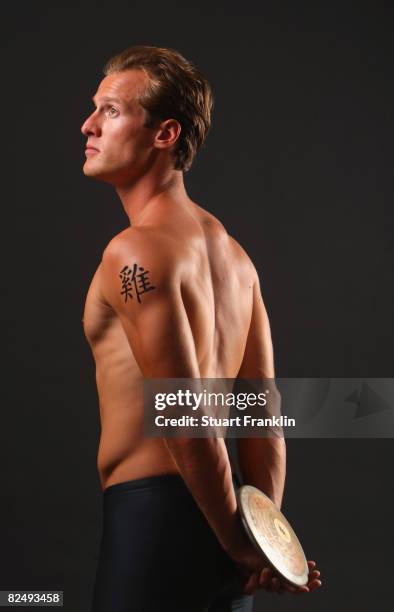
(298, 167)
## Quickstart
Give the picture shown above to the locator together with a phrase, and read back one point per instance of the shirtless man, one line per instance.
(171, 538)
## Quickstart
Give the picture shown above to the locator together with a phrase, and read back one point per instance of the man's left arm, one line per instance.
(158, 330)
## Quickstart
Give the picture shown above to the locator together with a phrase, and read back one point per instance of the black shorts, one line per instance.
(159, 554)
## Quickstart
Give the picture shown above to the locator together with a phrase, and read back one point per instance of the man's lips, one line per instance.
(91, 151)
(89, 147)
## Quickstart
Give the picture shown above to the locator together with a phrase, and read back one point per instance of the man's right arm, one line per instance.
(262, 460)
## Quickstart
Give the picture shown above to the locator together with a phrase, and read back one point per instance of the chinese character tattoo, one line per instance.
(133, 281)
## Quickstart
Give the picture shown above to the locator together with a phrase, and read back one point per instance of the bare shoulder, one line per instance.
(218, 230)
(230, 246)
(243, 258)
(138, 267)
(142, 246)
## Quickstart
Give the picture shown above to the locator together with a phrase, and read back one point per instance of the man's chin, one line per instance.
(113, 176)
(89, 170)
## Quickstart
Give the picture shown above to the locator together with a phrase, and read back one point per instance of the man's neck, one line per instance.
(142, 198)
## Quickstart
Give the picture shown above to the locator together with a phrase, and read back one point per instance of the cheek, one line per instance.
(116, 146)
(124, 143)
(130, 147)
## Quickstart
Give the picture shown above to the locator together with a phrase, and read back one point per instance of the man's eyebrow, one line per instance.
(109, 99)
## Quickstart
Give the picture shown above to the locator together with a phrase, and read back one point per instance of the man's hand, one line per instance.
(256, 574)
(268, 580)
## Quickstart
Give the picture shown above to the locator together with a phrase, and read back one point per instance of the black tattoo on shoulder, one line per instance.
(133, 281)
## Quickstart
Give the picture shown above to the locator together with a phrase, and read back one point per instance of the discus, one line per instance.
(272, 535)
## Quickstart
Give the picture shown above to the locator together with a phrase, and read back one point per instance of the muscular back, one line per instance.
(174, 297)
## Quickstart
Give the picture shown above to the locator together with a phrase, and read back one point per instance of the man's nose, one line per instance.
(90, 126)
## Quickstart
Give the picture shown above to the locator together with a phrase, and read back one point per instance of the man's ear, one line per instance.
(168, 133)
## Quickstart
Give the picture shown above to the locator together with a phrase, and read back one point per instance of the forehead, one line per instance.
(124, 86)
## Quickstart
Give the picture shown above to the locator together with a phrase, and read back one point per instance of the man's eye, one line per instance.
(112, 108)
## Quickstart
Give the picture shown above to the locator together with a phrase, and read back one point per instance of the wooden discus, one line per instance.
(272, 535)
